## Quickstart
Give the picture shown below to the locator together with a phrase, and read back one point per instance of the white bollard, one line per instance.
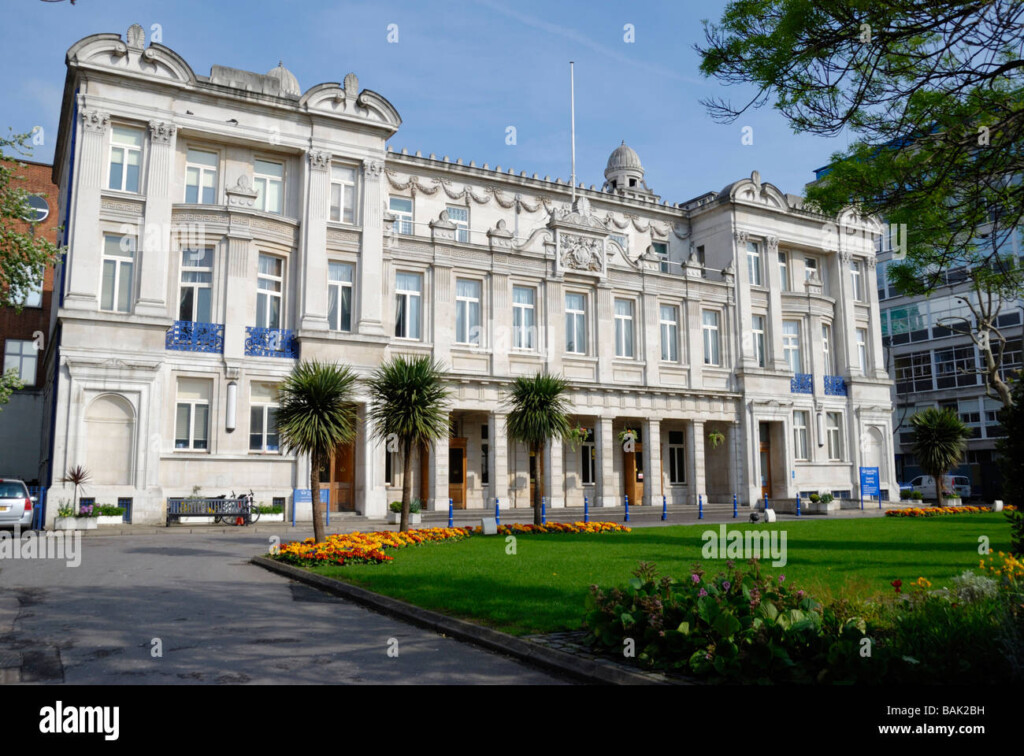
(997, 505)
(769, 515)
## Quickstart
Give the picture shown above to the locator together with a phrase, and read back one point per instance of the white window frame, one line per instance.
(801, 435)
(191, 404)
(784, 271)
(341, 287)
(754, 269)
(712, 337)
(20, 358)
(857, 281)
(265, 180)
(661, 250)
(826, 348)
(461, 225)
(263, 408)
(810, 266)
(403, 222)
(835, 447)
(759, 335)
(791, 344)
(524, 337)
(579, 324)
(270, 294)
(408, 295)
(468, 330)
(347, 195)
(196, 286)
(669, 333)
(120, 262)
(862, 349)
(203, 169)
(625, 329)
(676, 459)
(126, 149)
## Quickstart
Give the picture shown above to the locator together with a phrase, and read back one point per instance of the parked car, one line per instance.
(15, 503)
(959, 483)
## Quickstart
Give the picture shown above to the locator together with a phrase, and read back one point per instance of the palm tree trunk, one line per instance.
(538, 489)
(314, 495)
(403, 524)
(938, 489)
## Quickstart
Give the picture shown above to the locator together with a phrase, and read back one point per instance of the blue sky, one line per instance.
(461, 72)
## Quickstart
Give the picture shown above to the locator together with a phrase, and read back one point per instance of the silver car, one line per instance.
(15, 503)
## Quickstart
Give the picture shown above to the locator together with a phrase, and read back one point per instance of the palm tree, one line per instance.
(78, 476)
(315, 415)
(409, 407)
(940, 440)
(538, 411)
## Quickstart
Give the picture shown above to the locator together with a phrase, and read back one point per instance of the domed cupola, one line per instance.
(289, 84)
(625, 172)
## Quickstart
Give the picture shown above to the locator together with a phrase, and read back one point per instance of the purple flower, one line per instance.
(782, 579)
(695, 577)
(726, 584)
(702, 592)
(799, 594)
(707, 656)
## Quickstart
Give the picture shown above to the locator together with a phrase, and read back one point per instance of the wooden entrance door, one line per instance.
(342, 478)
(633, 469)
(457, 472)
(765, 460)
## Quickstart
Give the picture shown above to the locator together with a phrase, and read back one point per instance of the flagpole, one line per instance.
(572, 110)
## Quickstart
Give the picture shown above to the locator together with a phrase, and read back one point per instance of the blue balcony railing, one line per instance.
(835, 385)
(188, 336)
(271, 342)
(802, 383)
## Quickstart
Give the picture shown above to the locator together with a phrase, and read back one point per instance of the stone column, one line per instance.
(85, 243)
(649, 323)
(553, 318)
(370, 466)
(695, 445)
(746, 357)
(313, 245)
(442, 312)
(774, 354)
(607, 490)
(694, 319)
(371, 282)
(498, 340)
(439, 475)
(602, 336)
(653, 483)
(737, 468)
(154, 242)
(239, 294)
(554, 473)
(498, 460)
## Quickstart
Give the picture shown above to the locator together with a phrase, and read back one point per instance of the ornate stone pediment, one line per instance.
(580, 238)
(581, 253)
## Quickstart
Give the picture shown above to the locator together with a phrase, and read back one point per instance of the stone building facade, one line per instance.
(222, 227)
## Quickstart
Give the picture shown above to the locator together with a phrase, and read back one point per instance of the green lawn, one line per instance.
(542, 587)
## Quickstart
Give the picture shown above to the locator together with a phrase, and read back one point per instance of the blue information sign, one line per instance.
(869, 482)
(303, 496)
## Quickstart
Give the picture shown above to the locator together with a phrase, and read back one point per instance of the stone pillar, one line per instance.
(85, 242)
(694, 358)
(746, 356)
(775, 356)
(439, 474)
(695, 445)
(602, 336)
(607, 490)
(371, 282)
(442, 311)
(499, 339)
(554, 473)
(737, 468)
(498, 460)
(154, 242)
(239, 294)
(648, 322)
(370, 466)
(553, 317)
(653, 483)
(313, 245)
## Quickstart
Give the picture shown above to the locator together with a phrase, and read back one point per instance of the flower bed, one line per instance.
(938, 511)
(371, 548)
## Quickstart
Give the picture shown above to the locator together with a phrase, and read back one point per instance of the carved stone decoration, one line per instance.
(161, 132)
(242, 194)
(872, 261)
(94, 120)
(741, 236)
(581, 253)
(351, 87)
(443, 228)
(373, 168)
(136, 37)
(845, 256)
(319, 160)
(693, 267)
(500, 237)
(772, 242)
(729, 272)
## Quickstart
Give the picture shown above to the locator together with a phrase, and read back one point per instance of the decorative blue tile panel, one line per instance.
(802, 383)
(271, 342)
(188, 336)
(835, 385)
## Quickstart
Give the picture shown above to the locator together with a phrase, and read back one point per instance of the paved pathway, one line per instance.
(219, 619)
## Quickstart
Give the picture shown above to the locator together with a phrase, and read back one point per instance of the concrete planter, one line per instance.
(279, 517)
(76, 523)
(394, 518)
(110, 520)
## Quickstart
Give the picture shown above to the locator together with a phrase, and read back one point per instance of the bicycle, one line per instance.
(246, 511)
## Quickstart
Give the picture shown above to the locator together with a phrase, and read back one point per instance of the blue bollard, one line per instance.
(627, 508)
(497, 512)
(700, 506)
(543, 510)
(735, 507)
(765, 501)
(451, 514)
(328, 507)
(664, 507)
(586, 509)
(798, 504)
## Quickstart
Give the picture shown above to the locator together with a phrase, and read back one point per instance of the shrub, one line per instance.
(396, 506)
(916, 495)
(414, 506)
(107, 510)
(904, 494)
(263, 509)
(814, 497)
(827, 498)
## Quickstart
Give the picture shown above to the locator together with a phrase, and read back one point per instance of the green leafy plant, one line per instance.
(316, 414)
(269, 510)
(916, 495)
(815, 498)
(108, 510)
(409, 409)
(77, 476)
(826, 498)
(940, 441)
(716, 439)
